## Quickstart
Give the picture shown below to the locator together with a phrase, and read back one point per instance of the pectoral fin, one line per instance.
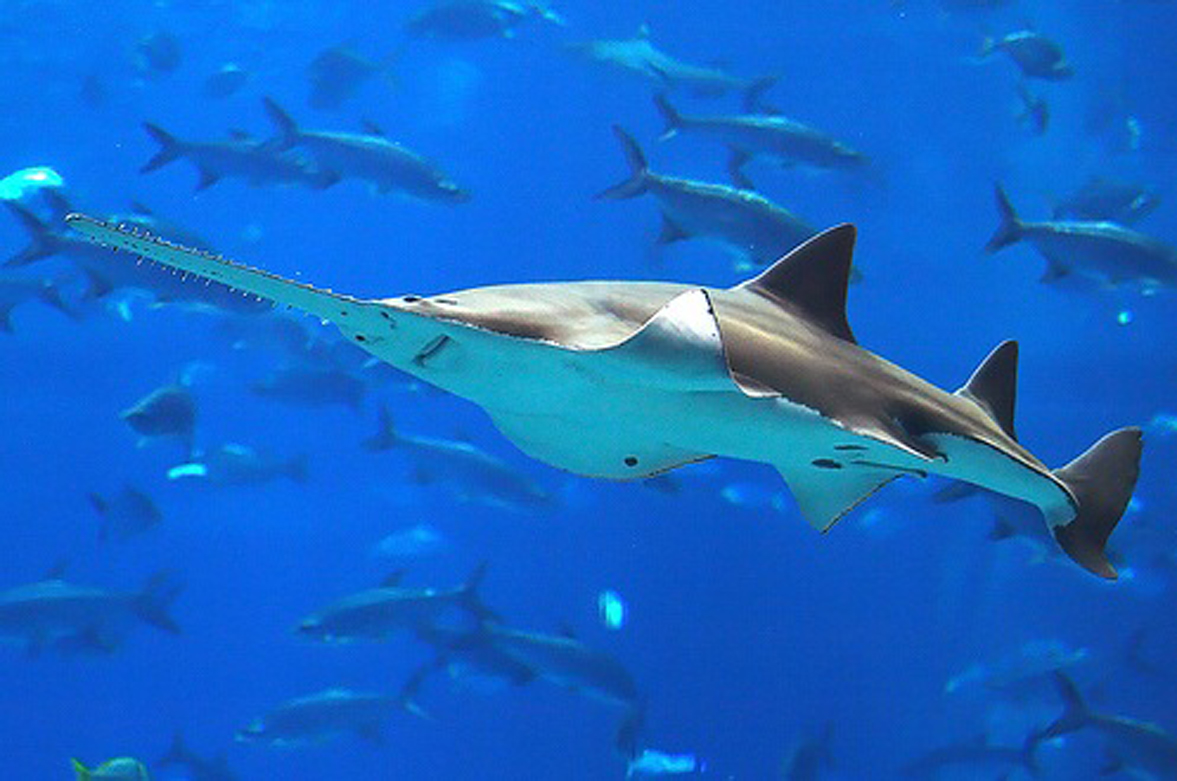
(826, 490)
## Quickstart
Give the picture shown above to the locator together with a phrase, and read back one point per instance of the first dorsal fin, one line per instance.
(993, 385)
(814, 277)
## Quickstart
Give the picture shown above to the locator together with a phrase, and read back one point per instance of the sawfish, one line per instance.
(626, 380)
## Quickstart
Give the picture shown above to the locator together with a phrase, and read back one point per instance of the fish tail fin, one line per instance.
(754, 102)
(51, 295)
(287, 128)
(81, 771)
(169, 148)
(152, 604)
(639, 171)
(471, 599)
(42, 241)
(407, 697)
(670, 116)
(177, 753)
(1011, 228)
(1102, 480)
(1075, 715)
(385, 436)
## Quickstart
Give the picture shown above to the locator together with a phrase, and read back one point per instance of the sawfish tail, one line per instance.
(288, 131)
(639, 171)
(170, 148)
(1076, 714)
(1102, 480)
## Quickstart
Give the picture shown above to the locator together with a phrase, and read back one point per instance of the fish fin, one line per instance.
(1076, 714)
(392, 579)
(407, 697)
(82, 772)
(754, 96)
(99, 286)
(58, 204)
(735, 169)
(639, 171)
(824, 495)
(681, 346)
(42, 241)
(151, 605)
(472, 600)
(177, 753)
(385, 436)
(1002, 530)
(1101, 480)
(993, 386)
(671, 119)
(207, 179)
(287, 128)
(671, 232)
(170, 148)
(1011, 229)
(814, 277)
(371, 128)
(1055, 270)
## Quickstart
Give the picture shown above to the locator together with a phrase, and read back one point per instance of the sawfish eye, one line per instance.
(631, 460)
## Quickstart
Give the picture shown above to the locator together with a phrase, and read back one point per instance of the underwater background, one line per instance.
(905, 629)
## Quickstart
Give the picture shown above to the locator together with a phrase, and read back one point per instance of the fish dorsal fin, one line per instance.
(393, 579)
(993, 386)
(814, 277)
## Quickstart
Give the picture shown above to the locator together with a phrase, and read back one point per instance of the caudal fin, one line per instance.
(671, 119)
(157, 596)
(81, 772)
(639, 171)
(1011, 229)
(385, 436)
(287, 128)
(471, 600)
(754, 102)
(177, 753)
(1075, 715)
(42, 241)
(169, 148)
(1102, 480)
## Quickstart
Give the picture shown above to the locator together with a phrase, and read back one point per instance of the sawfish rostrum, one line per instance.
(628, 379)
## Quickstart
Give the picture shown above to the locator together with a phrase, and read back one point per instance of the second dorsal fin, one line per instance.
(814, 277)
(993, 385)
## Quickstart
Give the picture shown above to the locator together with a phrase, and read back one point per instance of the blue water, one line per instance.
(746, 630)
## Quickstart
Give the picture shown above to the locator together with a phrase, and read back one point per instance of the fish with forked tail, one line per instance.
(625, 380)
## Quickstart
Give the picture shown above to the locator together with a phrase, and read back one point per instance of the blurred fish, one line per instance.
(158, 53)
(1019, 670)
(741, 220)
(118, 769)
(196, 767)
(54, 613)
(107, 274)
(811, 756)
(1107, 200)
(1101, 252)
(257, 162)
(1035, 55)
(413, 542)
(976, 759)
(558, 659)
(16, 290)
(781, 139)
(336, 74)
(639, 55)
(466, 20)
(388, 166)
(126, 514)
(19, 185)
(272, 331)
(312, 386)
(235, 464)
(227, 80)
(376, 613)
(474, 474)
(1140, 749)
(320, 717)
(168, 411)
(658, 763)
(1035, 110)
(608, 378)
